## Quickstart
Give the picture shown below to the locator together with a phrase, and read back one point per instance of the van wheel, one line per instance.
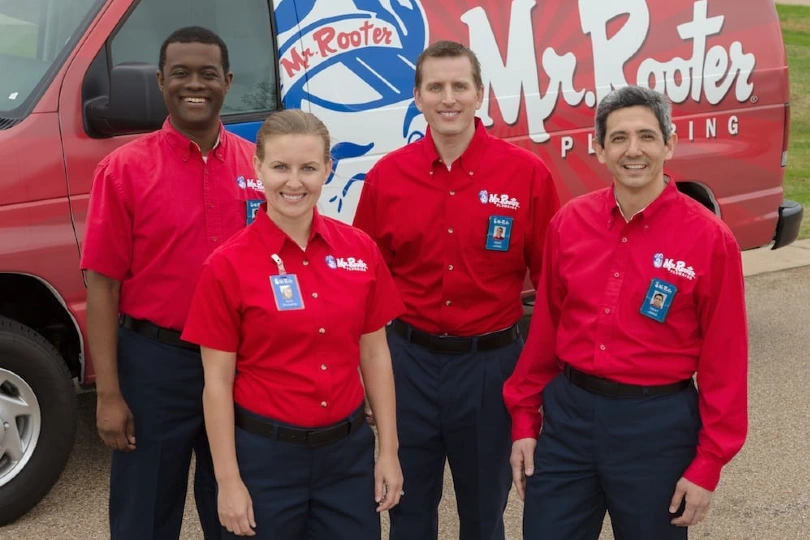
(38, 416)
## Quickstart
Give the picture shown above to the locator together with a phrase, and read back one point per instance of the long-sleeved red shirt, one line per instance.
(597, 271)
(432, 226)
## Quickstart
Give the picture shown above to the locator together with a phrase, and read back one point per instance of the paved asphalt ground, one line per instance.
(764, 493)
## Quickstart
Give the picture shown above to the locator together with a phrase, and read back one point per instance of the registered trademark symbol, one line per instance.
(754, 99)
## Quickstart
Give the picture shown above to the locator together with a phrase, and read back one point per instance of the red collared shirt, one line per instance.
(431, 225)
(296, 366)
(597, 270)
(158, 210)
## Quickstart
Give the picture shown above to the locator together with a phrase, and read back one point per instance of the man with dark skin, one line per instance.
(159, 206)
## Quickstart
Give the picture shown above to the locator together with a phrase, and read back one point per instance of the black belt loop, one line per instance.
(312, 438)
(158, 333)
(455, 344)
(612, 389)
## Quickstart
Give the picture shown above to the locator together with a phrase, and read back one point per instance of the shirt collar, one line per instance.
(471, 157)
(669, 194)
(274, 238)
(185, 146)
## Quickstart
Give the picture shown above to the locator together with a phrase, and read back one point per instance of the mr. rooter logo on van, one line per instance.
(698, 70)
(352, 62)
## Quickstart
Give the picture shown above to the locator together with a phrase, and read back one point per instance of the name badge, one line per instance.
(658, 300)
(286, 292)
(499, 233)
(253, 206)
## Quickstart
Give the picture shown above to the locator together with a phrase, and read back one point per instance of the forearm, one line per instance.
(378, 377)
(219, 425)
(102, 331)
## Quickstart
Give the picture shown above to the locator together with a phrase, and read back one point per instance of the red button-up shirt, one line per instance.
(296, 366)
(597, 270)
(431, 224)
(157, 211)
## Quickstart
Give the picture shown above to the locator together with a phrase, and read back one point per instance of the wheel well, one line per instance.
(701, 194)
(29, 301)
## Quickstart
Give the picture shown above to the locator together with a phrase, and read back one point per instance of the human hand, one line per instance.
(115, 423)
(369, 413)
(235, 508)
(522, 461)
(387, 481)
(697, 503)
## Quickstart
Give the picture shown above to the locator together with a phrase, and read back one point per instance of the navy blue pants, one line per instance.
(451, 407)
(620, 455)
(162, 385)
(320, 493)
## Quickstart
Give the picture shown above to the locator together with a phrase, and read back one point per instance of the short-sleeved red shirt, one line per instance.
(600, 273)
(157, 211)
(432, 224)
(298, 366)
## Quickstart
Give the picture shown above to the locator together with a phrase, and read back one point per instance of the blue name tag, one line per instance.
(499, 233)
(286, 292)
(253, 206)
(658, 300)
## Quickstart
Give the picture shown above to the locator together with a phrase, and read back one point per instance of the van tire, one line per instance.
(31, 366)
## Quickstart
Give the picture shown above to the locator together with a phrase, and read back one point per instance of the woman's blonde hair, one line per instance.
(292, 122)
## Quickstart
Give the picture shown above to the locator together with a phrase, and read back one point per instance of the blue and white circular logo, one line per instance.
(375, 42)
(483, 196)
(331, 262)
(658, 260)
(240, 181)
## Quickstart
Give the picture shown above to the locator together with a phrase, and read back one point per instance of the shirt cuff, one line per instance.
(704, 472)
(525, 424)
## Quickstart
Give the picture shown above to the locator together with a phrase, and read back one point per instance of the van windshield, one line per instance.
(34, 38)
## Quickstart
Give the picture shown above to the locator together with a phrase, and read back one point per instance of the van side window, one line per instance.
(246, 30)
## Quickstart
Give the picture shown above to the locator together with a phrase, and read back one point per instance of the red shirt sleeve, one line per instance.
(107, 247)
(722, 372)
(544, 204)
(537, 364)
(214, 318)
(383, 303)
(365, 217)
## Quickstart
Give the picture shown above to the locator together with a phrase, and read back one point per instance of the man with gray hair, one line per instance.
(641, 288)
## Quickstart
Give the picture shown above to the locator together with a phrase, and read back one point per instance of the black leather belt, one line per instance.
(455, 344)
(605, 387)
(158, 333)
(257, 425)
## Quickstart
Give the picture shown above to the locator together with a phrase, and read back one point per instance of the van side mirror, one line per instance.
(134, 104)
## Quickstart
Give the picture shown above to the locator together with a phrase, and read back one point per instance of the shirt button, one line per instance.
(214, 239)
(646, 227)
(624, 240)
(471, 173)
(450, 230)
(616, 274)
(452, 193)
(602, 347)
(321, 330)
(323, 404)
(314, 295)
(450, 267)
(306, 262)
(607, 310)
(447, 303)
(431, 172)
(323, 367)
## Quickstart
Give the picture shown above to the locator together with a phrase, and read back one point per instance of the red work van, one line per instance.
(78, 80)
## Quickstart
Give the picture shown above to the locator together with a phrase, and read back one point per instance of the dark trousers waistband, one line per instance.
(608, 388)
(455, 344)
(158, 333)
(266, 427)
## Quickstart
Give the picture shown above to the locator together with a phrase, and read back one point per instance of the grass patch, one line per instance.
(795, 22)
